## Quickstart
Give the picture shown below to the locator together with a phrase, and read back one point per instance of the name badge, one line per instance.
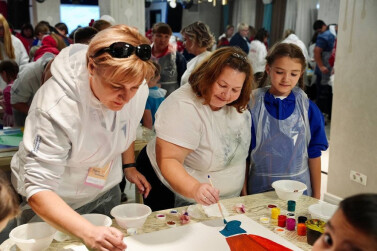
(97, 176)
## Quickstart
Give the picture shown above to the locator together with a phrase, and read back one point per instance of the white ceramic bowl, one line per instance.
(35, 236)
(132, 215)
(98, 219)
(289, 189)
(322, 211)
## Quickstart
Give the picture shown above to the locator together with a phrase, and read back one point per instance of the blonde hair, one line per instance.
(242, 26)
(119, 69)
(9, 206)
(8, 46)
(200, 34)
(60, 45)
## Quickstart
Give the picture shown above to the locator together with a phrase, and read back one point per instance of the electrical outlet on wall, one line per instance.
(358, 177)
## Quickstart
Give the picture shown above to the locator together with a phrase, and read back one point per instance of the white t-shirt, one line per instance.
(257, 55)
(220, 140)
(191, 66)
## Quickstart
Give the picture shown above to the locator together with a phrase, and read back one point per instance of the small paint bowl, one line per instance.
(173, 212)
(264, 220)
(171, 223)
(279, 230)
(161, 216)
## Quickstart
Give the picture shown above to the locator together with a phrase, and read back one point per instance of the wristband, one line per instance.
(129, 165)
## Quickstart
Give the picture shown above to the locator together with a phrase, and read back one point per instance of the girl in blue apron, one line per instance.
(288, 131)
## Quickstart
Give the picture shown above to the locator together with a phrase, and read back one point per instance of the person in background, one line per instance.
(224, 38)
(52, 43)
(8, 71)
(202, 129)
(84, 35)
(258, 52)
(198, 40)
(291, 38)
(79, 125)
(155, 98)
(26, 36)
(62, 29)
(322, 52)
(290, 146)
(11, 47)
(352, 227)
(108, 19)
(240, 38)
(101, 24)
(252, 32)
(41, 30)
(172, 63)
(25, 87)
(9, 206)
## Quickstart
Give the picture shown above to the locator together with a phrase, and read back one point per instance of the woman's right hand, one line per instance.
(206, 195)
(104, 238)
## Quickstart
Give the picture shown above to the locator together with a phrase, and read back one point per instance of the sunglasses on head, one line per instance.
(124, 50)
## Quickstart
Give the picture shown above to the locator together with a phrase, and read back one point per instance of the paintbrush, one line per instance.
(218, 203)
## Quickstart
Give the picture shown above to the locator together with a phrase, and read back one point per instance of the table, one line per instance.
(256, 207)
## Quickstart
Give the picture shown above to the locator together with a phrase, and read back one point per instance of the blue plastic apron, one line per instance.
(281, 145)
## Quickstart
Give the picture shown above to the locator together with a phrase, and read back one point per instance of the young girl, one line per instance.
(155, 97)
(9, 206)
(288, 129)
(353, 226)
(8, 71)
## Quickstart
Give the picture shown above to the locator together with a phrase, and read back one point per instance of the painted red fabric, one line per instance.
(245, 242)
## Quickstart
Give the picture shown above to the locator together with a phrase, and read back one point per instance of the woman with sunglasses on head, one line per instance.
(80, 131)
(202, 129)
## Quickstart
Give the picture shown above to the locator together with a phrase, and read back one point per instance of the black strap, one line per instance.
(129, 165)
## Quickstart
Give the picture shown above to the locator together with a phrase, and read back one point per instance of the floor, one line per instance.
(130, 188)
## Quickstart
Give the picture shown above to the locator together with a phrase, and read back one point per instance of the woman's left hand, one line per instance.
(206, 195)
(134, 176)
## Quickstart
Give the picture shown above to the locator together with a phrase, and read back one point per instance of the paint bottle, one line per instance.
(270, 207)
(282, 220)
(290, 215)
(301, 229)
(302, 219)
(291, 224)
(291, 206)
(275, 213)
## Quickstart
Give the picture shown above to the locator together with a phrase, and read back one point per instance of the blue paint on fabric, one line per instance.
(232, 228)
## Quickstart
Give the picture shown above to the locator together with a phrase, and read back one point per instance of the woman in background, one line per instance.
(198, 40)
(11, 47)
(258, 52)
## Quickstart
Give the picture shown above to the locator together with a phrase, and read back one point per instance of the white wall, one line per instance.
(329, 11)
(354, 120)
(127, 12)
(48, 11)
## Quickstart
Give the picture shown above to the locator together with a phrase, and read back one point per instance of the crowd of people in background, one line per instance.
(207, 100)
